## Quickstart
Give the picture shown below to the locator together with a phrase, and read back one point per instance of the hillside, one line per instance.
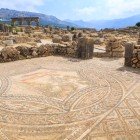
(115, 23)
(7, 14)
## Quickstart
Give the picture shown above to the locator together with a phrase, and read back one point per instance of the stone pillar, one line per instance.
(129, 47)
(85, 48)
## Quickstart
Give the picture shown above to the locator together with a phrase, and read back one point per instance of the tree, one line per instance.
(138, 24)
(72, 28)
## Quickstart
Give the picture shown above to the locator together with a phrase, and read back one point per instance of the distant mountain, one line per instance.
(101, 24)
(7, 14)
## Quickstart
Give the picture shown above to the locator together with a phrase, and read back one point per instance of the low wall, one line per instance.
(132, 55)
(22, 52)
(114, 49)
(136, 57)
(82, 49)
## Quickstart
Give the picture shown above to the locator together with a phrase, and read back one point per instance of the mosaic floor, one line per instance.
(55, 98)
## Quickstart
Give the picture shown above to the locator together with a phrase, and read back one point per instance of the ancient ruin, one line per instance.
(28, 20)
(58, 84)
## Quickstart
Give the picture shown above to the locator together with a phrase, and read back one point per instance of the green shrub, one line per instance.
(72, 28)
(138, 24)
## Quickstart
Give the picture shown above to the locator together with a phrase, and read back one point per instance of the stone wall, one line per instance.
(23, 52)
(114, 48)
(132, 55)
(136, 57)
(82, 49)
(22, 39)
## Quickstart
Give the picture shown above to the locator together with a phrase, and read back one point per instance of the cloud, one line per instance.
(120, 8)
(108, 9)
(77, 9)
(86, 11)
(30, 5)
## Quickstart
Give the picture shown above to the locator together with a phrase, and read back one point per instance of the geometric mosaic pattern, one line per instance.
(66, 99)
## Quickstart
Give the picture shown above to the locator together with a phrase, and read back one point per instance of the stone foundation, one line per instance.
(23, 52)
(114, 48)
(136, 57)
(82, 49)
(132, 55)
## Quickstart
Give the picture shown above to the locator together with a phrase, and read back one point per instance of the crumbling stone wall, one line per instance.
(114, 48)
(132, 55)
(139, 41)
(136, 57)
(22, 39)
(82, 49)
(8, 54)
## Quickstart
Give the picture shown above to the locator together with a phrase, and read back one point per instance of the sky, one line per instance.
(77, 9)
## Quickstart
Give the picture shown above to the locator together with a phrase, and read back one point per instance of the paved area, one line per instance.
(56, 98)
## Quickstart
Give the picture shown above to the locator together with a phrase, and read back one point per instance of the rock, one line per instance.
(136, 57)
(80, 35)
(114, 48)
(9, 54)
(67, 38)
(38, 40)
(22, 39)
(42, 50)
(57, 39)
(75, 37)
(8, 42)
(98, 41)
(32, 43)
(33, 51)
(24, 51)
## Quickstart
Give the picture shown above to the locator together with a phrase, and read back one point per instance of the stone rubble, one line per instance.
(136, 57)
(26, 43)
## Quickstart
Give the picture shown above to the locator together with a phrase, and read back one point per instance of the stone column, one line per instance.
(85, 48)
(129, 47)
